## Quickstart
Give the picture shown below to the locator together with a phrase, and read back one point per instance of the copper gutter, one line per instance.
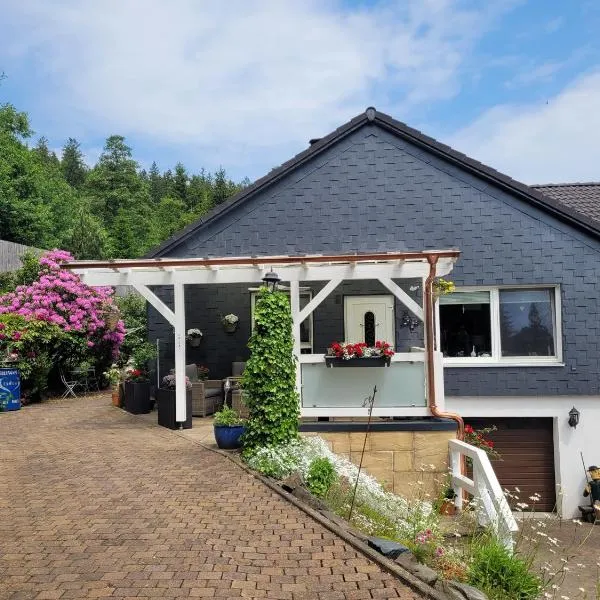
(429, 350)
(259, 260)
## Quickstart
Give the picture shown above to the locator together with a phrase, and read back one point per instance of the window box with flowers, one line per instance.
(165, 398)
(137, 391)
(343, 354)
(194, 337)
(230, 323)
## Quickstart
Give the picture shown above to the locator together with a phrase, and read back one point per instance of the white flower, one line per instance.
(230, 319)
(194, 333)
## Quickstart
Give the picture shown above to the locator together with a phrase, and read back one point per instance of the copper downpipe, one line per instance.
(430, 348)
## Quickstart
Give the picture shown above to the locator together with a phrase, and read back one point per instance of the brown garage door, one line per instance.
(527, 450)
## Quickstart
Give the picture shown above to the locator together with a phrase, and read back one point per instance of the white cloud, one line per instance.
(242, 75)
(553, 141)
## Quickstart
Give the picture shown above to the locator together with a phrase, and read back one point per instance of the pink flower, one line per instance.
(16, 336)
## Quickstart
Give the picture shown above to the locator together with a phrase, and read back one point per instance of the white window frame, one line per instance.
(303, 292)
(497, 360)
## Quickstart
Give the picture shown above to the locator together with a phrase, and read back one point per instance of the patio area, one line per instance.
(102, 504)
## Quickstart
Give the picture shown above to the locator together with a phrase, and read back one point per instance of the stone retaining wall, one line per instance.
(410, 463)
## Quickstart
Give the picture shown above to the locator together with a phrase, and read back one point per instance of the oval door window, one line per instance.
(369, 328)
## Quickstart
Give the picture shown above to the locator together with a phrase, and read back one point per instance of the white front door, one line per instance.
(368, 319)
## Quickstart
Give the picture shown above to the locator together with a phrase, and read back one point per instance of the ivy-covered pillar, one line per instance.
(295, 308)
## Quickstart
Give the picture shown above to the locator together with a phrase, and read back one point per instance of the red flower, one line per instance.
(490, 444)
(468, 429)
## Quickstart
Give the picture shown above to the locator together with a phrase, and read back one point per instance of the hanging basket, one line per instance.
(230, 327)
(195, 341)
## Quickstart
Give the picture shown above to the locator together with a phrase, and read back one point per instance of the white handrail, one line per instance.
(492, 507)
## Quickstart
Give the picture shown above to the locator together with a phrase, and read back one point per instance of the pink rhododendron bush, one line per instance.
(57, 322)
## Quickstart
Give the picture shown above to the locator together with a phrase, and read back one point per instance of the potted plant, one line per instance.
(203, 372)
(229, 427)
(137, 391)
(165, 398)
(230, 323)
(194, 337)
(113, 375)
(344, 354)
(446, 504)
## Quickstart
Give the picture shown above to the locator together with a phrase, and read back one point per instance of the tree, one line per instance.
(114, 182)
(180, 182)
(88, 240)
(42, 151)
(156, 184)
(169, 217)
(132, 233)
(72, 164)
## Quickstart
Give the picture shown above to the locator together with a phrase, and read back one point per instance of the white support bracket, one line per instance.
(312, 305)
(158, 304)
(410, 304)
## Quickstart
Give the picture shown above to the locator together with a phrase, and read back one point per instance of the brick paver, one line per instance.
(96, 504)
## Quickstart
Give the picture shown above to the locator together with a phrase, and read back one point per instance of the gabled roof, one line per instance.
(582, 197)
(528, 194)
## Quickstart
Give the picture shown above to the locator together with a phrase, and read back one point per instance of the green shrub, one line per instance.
(269, 379)
(321, 476)
(276, 461)
(503, 576)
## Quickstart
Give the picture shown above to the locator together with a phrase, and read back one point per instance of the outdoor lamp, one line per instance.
(407, 321)
(573, 417)
(271, 280)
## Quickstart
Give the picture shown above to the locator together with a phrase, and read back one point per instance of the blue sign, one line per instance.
(10, 389)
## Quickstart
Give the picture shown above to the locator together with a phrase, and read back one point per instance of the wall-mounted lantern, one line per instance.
(573, 418)
(407, 321)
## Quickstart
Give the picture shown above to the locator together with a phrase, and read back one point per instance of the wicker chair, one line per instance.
(207, 395)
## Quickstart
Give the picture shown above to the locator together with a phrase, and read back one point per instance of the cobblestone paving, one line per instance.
(94, 503)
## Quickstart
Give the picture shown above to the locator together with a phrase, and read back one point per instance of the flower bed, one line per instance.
(438, 555)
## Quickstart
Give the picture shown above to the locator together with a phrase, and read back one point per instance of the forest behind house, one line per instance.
(113, 209)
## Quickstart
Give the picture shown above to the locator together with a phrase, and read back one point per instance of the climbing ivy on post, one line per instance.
(269, 379)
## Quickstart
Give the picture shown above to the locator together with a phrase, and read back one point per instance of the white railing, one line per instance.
(490, 502)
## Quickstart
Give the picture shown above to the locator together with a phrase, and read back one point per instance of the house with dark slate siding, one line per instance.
(520, 337)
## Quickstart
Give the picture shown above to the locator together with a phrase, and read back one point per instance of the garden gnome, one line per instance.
(593, 489)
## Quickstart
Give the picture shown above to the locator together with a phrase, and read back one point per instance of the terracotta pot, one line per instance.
(116, 399)
(448, 508)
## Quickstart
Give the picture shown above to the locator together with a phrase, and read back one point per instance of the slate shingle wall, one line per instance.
(375, 192)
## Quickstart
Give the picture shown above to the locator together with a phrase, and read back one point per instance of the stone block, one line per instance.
(411, 485)
(357, 441)
(431, 450)
(403, 461)
(392, 440)
(377, 464)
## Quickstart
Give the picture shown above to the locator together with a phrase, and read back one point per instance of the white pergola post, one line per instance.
(180, 390)
(295, 307)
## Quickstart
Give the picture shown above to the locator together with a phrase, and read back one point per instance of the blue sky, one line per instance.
(241, 84)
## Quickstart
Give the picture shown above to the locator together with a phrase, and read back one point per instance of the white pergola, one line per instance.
(382, 267)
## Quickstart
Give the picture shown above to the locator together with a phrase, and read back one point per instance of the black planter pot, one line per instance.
(137, 397)
(368, 361)
(165, 398)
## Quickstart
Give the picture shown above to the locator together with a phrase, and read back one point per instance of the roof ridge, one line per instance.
(573, 184)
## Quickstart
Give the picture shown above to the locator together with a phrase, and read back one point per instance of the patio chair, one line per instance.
(70, 386)
(207, 395)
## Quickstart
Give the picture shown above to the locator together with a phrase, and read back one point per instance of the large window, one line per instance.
(500, 326)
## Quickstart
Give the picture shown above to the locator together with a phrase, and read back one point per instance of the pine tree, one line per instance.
(180, 183)
(72, 164)
(156, 184)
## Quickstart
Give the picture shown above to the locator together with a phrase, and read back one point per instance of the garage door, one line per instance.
(526, 448)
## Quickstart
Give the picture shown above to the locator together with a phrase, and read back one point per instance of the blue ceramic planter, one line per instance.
(228, 438)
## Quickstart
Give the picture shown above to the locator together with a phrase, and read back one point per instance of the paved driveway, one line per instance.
(94, 503)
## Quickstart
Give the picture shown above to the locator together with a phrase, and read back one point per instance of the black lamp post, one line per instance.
(573, 417)
(271, 280)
